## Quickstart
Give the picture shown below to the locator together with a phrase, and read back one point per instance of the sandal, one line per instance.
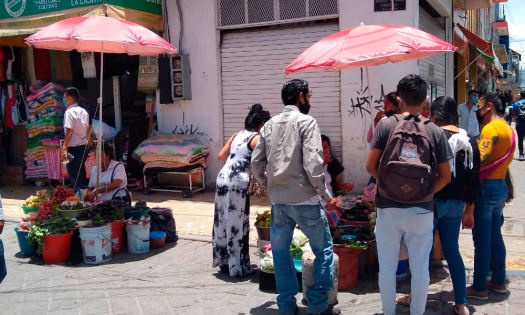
(404, 300)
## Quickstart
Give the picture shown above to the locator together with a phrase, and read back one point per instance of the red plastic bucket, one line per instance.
(117, 233)
(348, 266)
(56, 248)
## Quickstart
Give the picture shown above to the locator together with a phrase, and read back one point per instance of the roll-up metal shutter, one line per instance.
(252, 72)
(433, 69)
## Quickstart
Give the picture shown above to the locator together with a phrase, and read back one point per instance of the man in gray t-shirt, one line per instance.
(412, 222)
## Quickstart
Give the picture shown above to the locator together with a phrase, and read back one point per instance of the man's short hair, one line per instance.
(292, 89)
(412, 90)
(72, 92)
(472, 92)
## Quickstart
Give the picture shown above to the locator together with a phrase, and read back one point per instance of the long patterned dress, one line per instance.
(232, 209)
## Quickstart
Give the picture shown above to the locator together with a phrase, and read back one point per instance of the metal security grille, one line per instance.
(243, 13)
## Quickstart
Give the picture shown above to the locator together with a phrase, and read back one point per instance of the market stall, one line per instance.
(53, 219)
(31, 67)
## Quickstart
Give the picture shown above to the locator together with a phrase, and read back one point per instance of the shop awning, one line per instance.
(481, 44)
(24, 17)
(501, 53)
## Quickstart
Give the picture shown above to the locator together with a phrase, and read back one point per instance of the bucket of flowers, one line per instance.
(72, 207)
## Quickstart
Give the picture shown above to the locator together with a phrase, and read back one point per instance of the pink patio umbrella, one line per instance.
(368, 45)
(100, 34)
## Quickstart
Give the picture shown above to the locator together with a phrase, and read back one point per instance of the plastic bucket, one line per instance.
(56, 248)
(25, 248)
(135, 213)
(117, 235)
(138, 238)
(402, 267)
(96, 244)
(348, 266)
(157, 239)
(263, 233)
(28, 210)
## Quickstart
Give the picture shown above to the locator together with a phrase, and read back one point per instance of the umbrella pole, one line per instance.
(99, 138)
(370, 99)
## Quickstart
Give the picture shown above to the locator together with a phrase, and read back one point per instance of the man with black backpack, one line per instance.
(409, 157)
(518, 112)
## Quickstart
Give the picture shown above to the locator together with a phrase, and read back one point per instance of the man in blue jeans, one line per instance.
(3, 269)
(288, 163)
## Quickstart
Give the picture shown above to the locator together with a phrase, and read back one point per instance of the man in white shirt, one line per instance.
(78, 137)
(467, 114)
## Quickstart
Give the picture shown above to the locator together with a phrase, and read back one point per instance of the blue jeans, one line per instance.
(448, 223)
(488, 242)
(3, 268)
(313, 224)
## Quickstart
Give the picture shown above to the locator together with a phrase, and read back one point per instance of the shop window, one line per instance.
(260, 11)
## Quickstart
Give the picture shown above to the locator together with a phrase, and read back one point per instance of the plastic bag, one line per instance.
(370, 192)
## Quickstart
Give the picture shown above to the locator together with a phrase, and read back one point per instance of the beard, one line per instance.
(304, 108)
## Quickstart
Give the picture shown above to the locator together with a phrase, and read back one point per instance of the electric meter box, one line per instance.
(180, 77)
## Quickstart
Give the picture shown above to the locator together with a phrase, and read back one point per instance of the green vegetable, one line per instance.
(54, 224)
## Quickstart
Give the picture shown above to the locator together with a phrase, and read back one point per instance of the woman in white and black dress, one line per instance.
(232, 202)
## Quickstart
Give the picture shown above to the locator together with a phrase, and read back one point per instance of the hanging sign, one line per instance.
(386, 5)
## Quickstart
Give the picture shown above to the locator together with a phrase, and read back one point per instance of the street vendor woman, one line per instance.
(112, 180)
(333, 170)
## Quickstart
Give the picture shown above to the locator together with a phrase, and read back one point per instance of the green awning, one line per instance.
(23, 17)
(484, 55)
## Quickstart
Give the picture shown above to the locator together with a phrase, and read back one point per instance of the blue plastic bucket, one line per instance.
(402, 267)
(298, 264)
(25, 248)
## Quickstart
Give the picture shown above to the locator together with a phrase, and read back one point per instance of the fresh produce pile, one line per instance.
(72, 203)
(363, 235)
(35, 201)
(44, 210)
(263, 220)
(103, 213)
(361, 212)
(28, 221)
(61, 194)
(54, 224)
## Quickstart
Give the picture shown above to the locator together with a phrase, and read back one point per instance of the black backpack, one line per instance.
(162, 220)
(520, 117)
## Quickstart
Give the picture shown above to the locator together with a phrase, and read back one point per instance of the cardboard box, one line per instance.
(12, 175)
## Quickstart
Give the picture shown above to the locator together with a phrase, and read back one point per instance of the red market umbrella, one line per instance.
(100, 34)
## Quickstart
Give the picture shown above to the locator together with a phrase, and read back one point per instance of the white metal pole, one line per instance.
(99, 138)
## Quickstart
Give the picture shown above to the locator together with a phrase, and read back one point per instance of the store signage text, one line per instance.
(386, 5)
(15, 8)
(75, 3)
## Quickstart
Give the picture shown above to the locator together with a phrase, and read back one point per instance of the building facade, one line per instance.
(238, 50)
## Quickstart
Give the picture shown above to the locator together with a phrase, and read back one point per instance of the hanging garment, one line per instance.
(148, 80)
(23, 108)
(78, 71)
(42, 63)
(9, 105)
(2, 72)
(10, 61)
(61, 63)
(88, 64)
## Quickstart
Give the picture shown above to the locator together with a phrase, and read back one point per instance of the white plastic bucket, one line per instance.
(96, 244)
(138, 238)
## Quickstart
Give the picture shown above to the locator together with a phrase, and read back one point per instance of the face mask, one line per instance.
(390, 113)
(481, 117)
(474, 99)
(64, 102)
(304, 108)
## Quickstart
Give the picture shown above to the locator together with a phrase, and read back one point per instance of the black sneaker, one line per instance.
(329, 311)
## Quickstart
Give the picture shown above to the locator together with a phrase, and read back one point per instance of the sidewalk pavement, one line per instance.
(179, 280)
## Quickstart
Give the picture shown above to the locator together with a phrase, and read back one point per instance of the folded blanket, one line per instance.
(53, 103)
(50, 111)
(48, 96)
(45, 129)
(47, 88)
(52, 120)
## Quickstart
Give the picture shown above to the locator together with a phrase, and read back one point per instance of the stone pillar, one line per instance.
(308, 277)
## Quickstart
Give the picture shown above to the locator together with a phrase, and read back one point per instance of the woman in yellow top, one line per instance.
(496, 145)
